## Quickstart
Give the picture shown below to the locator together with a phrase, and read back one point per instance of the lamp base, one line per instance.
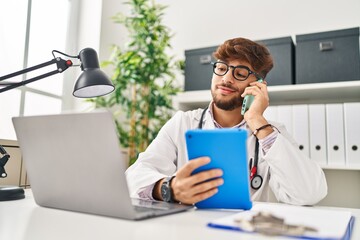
(8, 193)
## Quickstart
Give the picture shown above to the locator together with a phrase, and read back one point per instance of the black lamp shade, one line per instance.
(92, 82)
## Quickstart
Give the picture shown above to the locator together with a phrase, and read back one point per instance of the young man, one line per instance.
(293, 177)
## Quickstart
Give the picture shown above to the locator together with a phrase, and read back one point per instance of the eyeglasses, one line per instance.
(240, 72)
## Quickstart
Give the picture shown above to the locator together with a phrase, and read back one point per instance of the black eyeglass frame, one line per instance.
(233, 68)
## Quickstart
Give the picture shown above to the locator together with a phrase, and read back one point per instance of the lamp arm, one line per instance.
(27, 70)
(8, 192)
(62, 65)
(3, 161)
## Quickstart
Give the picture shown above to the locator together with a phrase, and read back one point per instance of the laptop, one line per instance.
(74, 163)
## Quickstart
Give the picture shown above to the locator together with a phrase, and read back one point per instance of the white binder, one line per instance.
(335, 134)
(352, 133)
(270, 113)
(284, 115)
(300, 116)
(317, 129)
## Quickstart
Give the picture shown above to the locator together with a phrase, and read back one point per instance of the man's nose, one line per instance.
(228, 77)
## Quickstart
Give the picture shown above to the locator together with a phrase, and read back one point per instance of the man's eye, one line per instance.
(240, 75)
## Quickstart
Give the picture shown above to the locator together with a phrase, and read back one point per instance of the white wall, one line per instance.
(207, 23)
(84, 32)
(202, 23)
(111, 33)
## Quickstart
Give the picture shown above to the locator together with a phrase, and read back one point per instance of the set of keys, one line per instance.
(270, 225)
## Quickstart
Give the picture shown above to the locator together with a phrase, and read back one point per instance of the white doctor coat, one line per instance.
(292, 176)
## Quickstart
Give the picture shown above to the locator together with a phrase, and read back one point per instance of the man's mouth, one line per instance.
(226, 90)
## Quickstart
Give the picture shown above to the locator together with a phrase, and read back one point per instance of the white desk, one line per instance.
(23, 219)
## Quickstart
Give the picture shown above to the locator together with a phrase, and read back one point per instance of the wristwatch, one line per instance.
(166, 191)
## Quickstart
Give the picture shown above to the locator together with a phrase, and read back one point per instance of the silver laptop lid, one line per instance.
(74, 162)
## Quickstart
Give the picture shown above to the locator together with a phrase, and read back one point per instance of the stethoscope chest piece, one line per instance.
(256, 182)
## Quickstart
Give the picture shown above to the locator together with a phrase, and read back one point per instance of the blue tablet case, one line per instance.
(227, 149)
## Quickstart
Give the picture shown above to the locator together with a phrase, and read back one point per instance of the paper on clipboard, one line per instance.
(331, 224)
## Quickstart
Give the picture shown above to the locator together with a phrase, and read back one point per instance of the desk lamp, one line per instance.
(91, 83)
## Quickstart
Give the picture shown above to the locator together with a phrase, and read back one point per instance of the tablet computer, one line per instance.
(227, 149)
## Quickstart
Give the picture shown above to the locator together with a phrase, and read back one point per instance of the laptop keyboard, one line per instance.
(151, 204)
(148, 209)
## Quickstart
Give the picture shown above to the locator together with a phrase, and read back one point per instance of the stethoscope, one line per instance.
(255, 179)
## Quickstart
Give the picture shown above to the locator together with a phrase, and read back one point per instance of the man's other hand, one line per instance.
(190, 189)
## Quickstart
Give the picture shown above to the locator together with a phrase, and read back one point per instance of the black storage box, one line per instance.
(282, 50)
(328, 56)
(198, 68)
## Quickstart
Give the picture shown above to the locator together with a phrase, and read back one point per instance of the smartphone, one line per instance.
(248, 99)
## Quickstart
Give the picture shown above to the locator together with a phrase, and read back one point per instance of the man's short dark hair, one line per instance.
(255, 54)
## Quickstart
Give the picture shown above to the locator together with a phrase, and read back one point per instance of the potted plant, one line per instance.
(144, 77)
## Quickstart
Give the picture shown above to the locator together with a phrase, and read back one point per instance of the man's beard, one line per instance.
(228, 105)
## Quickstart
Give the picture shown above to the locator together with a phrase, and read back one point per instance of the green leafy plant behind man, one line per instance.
(144, 77)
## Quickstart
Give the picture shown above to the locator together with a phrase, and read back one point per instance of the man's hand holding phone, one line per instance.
(256, 99)
(260, 101)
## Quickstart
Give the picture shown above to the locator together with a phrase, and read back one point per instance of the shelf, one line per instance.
(192, 100)
(344, 167)
(334, 92)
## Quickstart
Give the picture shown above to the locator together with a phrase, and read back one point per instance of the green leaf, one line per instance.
(142, 63)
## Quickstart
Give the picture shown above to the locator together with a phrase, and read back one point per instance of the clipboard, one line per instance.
(227, 149)
(331, 224)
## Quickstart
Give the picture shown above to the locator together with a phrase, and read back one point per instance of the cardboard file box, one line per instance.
(198, 68)
(283, 52)
(328, 56)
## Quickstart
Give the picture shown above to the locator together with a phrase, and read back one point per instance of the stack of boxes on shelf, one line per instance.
(319, 57)
(328, 56)
(326, 132)
(198, 69)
